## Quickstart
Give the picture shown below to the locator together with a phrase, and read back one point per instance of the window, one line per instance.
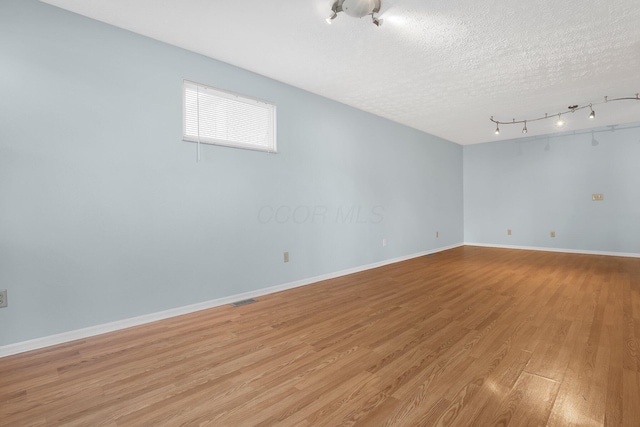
(213, 116)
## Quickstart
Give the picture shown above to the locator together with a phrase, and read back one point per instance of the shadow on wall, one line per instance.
(591, 134)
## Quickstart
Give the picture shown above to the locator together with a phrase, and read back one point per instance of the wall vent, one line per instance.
(244, 302)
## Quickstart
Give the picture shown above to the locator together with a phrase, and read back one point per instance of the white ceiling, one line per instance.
(440, 66)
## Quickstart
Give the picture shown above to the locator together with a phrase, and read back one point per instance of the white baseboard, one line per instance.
(77, 334)
(568, 251)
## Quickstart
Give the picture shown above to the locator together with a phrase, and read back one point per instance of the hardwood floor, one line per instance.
(467, 337)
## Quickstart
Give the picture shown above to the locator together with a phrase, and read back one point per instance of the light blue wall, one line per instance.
(105, 215)
(538, 185)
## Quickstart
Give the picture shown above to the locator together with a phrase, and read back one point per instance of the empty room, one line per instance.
(319, 213)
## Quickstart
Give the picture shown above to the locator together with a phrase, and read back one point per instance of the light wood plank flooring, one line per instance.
(467, 337)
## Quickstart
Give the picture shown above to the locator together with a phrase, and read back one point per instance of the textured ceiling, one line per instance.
(440, 66)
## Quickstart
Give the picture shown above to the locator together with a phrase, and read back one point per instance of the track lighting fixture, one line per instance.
(357, 9)
(560, 121)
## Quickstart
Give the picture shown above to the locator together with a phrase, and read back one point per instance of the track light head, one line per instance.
(331, 18)
(524, 129)
(592, 115)
(377, 22)
(497, 130)
(560, 122)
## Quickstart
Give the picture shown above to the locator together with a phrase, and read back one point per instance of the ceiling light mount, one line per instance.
(356, 9)
(560, 121)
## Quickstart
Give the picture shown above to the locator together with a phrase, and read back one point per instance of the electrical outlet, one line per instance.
(509, 232)
(384, 242)
(553, 234)
(437, 234)
(597, 197)
(286, 257)
(3, 298)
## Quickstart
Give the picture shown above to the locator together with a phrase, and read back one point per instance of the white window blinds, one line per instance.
(214, 116)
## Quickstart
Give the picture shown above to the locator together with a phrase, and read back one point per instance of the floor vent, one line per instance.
(244, 302)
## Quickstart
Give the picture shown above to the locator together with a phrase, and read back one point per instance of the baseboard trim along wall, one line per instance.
(568, 251)
(77, 334)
